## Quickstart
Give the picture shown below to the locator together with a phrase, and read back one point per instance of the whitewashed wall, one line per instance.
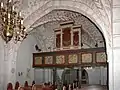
(116, 46)
(24, 60)
(43, 75)
(2, 73)
(97, 75)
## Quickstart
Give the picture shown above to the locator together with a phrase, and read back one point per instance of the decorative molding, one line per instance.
(73, 58)
(101, 57)
(87, 58)
(48, 59)
(60, 59)
(70, 58)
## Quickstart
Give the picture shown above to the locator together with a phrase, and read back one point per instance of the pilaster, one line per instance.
(10, 56)
(116, 43)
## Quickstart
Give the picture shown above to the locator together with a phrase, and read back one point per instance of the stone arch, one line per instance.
(77, 6)
(85, 76)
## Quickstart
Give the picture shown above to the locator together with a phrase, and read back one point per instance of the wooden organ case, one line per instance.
(68, 36)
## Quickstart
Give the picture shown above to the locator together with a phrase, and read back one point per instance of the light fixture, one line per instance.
(11, 23)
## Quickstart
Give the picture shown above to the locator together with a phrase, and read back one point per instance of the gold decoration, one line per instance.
(87, 58)
(38, 60)
(11, 23)
(101, 57)
(60, 59)
(73, 58)
(49, 60)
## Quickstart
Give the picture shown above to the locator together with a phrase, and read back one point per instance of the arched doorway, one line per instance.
(84, 77)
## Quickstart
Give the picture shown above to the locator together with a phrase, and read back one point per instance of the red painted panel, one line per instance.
(76, 38)
(58, 41)
(66, 37)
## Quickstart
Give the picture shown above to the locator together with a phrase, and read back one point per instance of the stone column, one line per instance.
(116, 45)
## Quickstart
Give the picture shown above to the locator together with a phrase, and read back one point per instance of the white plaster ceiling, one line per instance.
(32, 8)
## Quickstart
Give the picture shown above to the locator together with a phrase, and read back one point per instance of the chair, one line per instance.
(16, 85)
(26, 84)
(9, 86)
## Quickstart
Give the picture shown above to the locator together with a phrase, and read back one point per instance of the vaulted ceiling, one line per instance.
(51, 20)
(90, 33)
(32, 10)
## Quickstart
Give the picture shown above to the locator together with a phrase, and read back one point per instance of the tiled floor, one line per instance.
(94, 87)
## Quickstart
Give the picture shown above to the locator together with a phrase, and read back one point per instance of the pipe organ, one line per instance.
(68, 36)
